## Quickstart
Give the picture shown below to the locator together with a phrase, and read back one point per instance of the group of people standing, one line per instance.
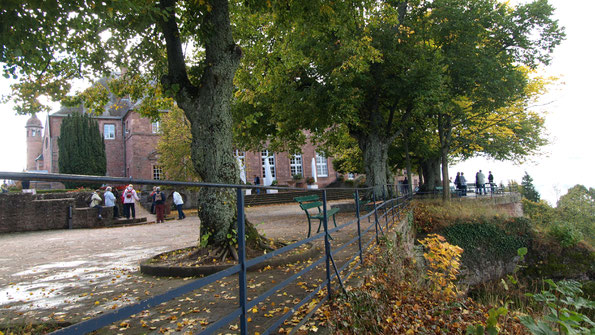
(130, 197)
(158, 204)
(480, 183)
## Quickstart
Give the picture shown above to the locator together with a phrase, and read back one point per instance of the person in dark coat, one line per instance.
(159, 199)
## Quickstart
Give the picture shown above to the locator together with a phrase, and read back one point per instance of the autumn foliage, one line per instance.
(389, 299)
(443, 262)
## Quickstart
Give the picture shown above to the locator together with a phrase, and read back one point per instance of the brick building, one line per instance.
(131, 141)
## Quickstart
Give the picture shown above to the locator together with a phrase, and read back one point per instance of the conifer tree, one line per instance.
(528, 190)
(82, 150)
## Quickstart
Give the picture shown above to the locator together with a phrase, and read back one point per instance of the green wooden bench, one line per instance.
(312, 205)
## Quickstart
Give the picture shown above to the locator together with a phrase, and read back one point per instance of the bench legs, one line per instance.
(320, 225)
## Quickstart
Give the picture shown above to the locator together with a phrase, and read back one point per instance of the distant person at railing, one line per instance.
(4, 188)
(405, 187)
(110, 201)
(463, 183)
(257, 182)
(159, 199)
(179, 202)
(458, 183)
(129, 196)
(481, 183)
(96, 203)
(491, 181)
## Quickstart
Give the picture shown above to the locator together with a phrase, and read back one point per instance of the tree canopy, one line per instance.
(459, 67)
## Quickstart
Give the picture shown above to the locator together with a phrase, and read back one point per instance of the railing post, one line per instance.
(385, 209)
(359, 231)
(375, 215)
(69, 217)
(242, 261)
(327, 246)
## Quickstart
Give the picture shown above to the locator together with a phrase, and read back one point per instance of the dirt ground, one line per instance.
(71, 275)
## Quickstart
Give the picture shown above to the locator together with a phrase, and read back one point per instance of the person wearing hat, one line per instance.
(110, 200)
(96, 203)
(129, 197)
(159, 199)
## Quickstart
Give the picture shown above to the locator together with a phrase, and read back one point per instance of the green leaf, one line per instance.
(536, 327)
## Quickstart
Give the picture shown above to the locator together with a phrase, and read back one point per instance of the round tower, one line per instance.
(34, 141)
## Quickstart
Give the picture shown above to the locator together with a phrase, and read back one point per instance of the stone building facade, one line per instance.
(131, 142)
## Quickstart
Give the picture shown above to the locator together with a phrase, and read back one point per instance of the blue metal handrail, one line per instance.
(389, 206)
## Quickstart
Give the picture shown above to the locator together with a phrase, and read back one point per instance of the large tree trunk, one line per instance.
(445, 180)
(444, 132)
(375, 154)
(207, 107)
(431, 174)
(408, 164)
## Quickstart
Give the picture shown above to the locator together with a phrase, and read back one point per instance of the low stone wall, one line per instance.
(27, 212)
(23, 212)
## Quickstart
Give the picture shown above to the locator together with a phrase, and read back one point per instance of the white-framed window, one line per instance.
(295, 164)
(271, 157)
(156, 127)
(35, 132)
(321, 166)
(109, 131)
(157, 172)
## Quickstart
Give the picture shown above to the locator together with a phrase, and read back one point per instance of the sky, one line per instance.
(570, 117)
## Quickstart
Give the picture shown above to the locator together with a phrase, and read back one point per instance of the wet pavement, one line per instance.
(54, 269)
(70, 275)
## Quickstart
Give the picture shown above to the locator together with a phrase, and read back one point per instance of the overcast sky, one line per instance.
(570, 119)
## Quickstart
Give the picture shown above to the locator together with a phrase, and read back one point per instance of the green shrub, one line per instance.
(541, 213)
(485, 241)
(567, 235)
(563, 302)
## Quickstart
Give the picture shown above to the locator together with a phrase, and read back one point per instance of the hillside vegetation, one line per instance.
(462, 239)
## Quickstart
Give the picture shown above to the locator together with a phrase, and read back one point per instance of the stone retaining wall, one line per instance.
(27, 212)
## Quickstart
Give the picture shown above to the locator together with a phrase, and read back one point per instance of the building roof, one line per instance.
(33, 122)
(65, 110)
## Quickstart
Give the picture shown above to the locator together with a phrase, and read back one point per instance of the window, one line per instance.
(295, 164)
(271, 158)
(35, 132)
(109, 131)
(321, 166)
(156, 127)
(157, 172)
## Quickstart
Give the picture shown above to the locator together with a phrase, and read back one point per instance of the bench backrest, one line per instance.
(308, 202)
(307, 198)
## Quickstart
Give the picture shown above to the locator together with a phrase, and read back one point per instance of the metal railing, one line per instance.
(385, 214)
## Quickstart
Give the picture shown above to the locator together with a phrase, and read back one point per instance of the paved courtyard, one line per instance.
(69, 275)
